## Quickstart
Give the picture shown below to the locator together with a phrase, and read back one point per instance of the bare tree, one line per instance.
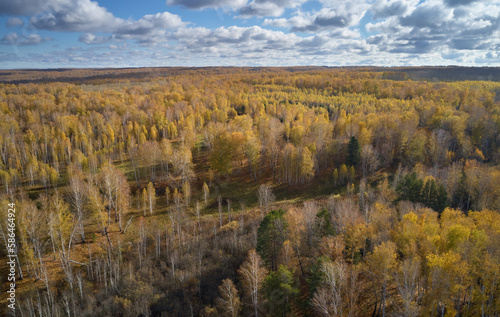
(310, 210)
(122, 197)
(108, 186)
(343, 212)
(219, 200)
(177, 196)
(266, 197)
(77, 198)
(329, 299)
(198, 215)
(242, 211)
(337, 294)
(151, 197)
(369, 159)
(150, 154)
(62, 230)
(229, 302)
(253, 273)
(406, 278)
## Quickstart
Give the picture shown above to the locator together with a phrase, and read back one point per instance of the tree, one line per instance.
(328, 299)
(144, 201)
(414, 148)
(182, 163)
(309, 212)
(460, 196)
(109, 175)
(229, 302)
(352, 174)
(369, 159)
(62, 230)
(449, 279)
(252, 274)
(122, 197)
(97, 206)
(381, 264)
(165, 154)
(150, 154)
(353, 152)
(266, 198)
(219, 201)
(343, 173)
(186, 190)
(280, 288)
(33, 233)
(429, 194)
(150, 197)
(435, 198)
(307, 165)
(407, 278)
(270, 237)
(206, 191)
(253, 149)
(78, 197)
(410, 188)
(221, 154)
(177, 196)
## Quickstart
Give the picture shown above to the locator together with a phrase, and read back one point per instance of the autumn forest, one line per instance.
(306, 191)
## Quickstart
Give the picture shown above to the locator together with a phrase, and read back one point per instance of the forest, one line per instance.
(303, 191)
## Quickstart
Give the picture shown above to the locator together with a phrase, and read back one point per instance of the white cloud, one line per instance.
(234, 39)
(400, 32)
(324, 19)
(201, 4)
(31, 39)
(14, 22)
(89, 38)
(382, 9)
(23, 7)
(262, 8)
(88, 16)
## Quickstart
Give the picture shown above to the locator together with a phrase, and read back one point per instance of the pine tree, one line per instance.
(353, 152)
(410, 188)
(270, 237)
(280, 288)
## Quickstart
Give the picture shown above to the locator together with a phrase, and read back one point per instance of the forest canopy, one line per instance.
(303, 191)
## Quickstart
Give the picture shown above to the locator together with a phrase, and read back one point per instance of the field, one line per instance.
(298, 191)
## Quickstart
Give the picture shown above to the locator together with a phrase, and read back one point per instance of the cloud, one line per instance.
(234, 41)
(89, 38)
(22, 7)
(398, 32)
(89, 17)
(32, 39)
(427, 16)
(10, 38)
(433, 27)
(149, 24)
(325, 19)
(261, 10)
(275, 8)
(79, 16)
(456, 3)
(14, 22)
(383, 9)
(201, 4)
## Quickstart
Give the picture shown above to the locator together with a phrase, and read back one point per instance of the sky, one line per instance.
(126, 33)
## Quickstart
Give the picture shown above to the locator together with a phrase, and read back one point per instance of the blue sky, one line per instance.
(85, 33)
